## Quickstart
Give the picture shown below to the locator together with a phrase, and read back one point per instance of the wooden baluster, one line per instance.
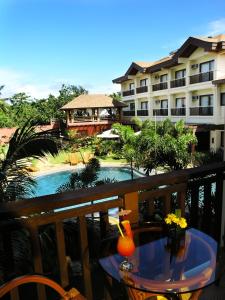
(85, 257)
(131, 203)
(207, 208)
(194, 213)
(104, 224)
(181, 202)
(61, 249)
(14, 294)
(34, 234)
(167, 204)
(218, 204)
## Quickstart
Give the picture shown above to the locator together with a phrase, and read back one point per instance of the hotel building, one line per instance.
(189, 84)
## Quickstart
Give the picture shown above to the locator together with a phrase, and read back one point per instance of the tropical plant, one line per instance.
(15, 180)
(128, 144)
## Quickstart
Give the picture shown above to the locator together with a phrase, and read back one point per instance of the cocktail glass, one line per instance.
(125, 247)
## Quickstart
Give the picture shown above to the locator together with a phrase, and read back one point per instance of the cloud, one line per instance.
(216, 27)
(18, 82)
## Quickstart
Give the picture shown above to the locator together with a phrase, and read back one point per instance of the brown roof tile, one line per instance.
(92, 101)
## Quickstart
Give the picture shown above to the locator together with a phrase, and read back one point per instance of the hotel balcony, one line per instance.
(128, 93)
(201, 77)
(201, 111)
(141, 89)
(160, 86)
(69, 230)
(178, 111)
(178, 82)
(142, 112)
(160, 112)
(129, 113)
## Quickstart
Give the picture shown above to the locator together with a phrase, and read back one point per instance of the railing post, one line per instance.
(131, 203)
(85, 257)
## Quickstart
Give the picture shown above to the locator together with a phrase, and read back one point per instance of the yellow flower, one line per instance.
(173, 219)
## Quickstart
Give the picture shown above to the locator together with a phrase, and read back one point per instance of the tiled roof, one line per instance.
(92, 101)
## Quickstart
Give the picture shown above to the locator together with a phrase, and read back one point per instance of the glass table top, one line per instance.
(157, 269)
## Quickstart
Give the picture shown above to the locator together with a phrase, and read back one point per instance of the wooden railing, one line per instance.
(141, 89)
(129, 113)
(178, 82)
(201, 111)
(142, 112)
(160, 86)
(160, 112)
(197, 191)
(201, 77)
(128, 93)
(178, 111)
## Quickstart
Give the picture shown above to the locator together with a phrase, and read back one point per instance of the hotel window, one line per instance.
(180, 102)
(131, 86)
(164, 104)
(206, 100)
(144, 105)
(222, 99)
(180, 74)
(143, 82)
(163, 78)
(206, 66)
(132, 106)
(222, 139)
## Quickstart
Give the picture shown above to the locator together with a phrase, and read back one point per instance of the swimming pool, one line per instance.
(48, 184)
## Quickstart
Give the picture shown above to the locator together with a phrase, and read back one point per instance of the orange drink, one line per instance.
(125, 246)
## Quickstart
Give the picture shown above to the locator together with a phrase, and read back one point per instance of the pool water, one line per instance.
(48, 184)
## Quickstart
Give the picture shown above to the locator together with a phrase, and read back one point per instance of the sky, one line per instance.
(45, 43)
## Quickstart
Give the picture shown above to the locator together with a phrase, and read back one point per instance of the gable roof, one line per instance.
(93, 101)
(215, 44)
(135, 67)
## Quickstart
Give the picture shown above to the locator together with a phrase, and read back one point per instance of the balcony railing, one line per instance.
(201, 77)
(178, 82)
(160, 112)
(189, 189)
(142, 112)
(141, 89)
(178, 111)
(129, 113)
(159, 86)
(93, 118)
(128, 93)
(201, 111)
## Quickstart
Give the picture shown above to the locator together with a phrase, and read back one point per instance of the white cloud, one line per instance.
(16, 82)
(216, 27)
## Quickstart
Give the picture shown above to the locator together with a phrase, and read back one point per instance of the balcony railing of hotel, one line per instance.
(190, 190)
(142, 112)
(160, 112)
(129, 113)
(128, 93)
(160, 86)
(178, 111)
(201, 111)
(142, 89)
(93, 118)
(201, 77)
(178, 82)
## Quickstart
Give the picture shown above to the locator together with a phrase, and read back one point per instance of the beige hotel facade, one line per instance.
(189, 84)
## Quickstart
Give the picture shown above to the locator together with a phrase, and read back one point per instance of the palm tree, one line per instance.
(15, 180)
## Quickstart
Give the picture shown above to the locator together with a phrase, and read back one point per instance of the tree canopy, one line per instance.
(161, 144)
(19, 108)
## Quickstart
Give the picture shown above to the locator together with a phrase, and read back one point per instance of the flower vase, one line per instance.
(175, 239)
